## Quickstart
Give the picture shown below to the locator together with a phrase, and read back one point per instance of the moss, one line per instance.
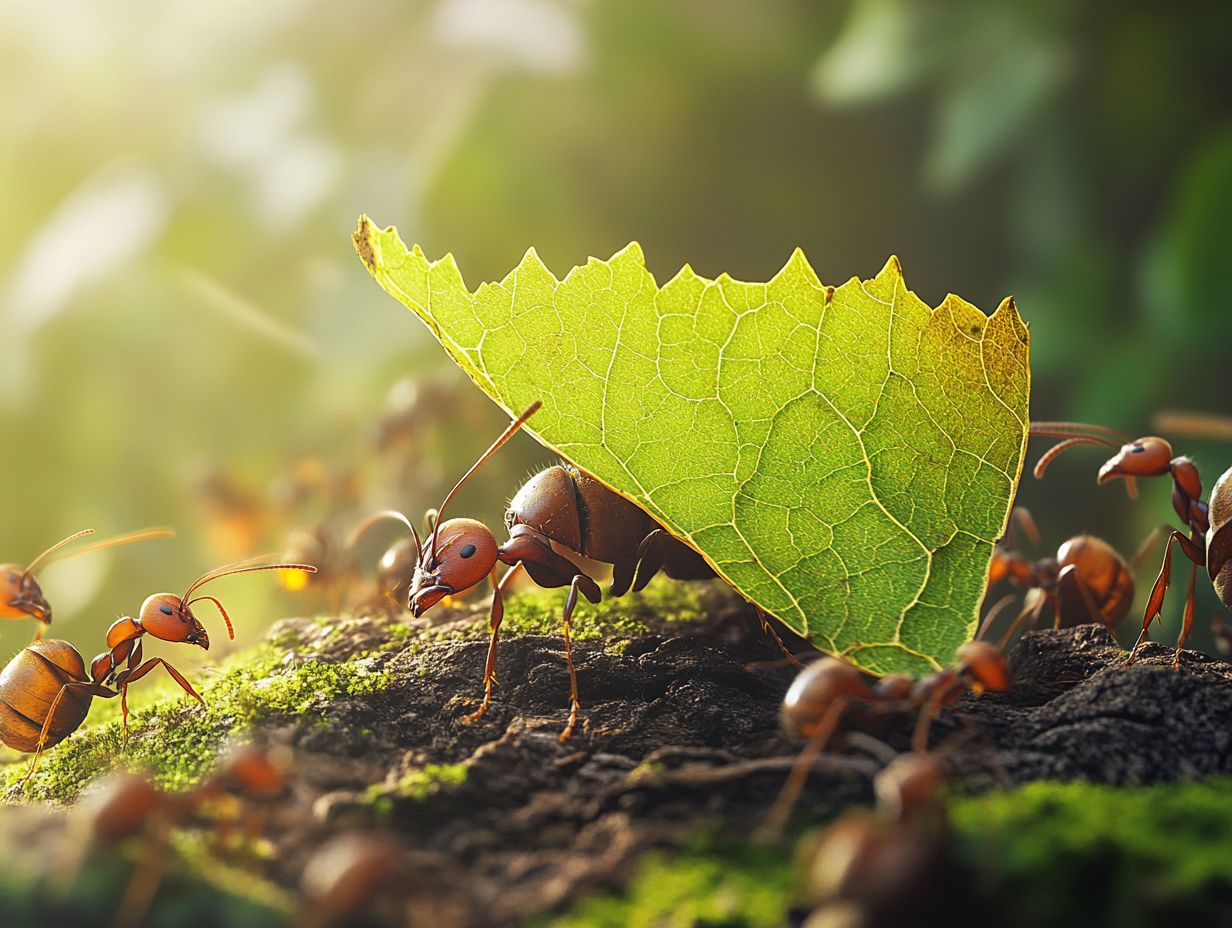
(1080, 854)
(417, 785)
(538, 612)
(177, 740)
(711, 884)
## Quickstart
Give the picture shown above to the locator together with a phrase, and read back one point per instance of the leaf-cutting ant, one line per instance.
(1088, 581)
(45, 690)
(830, 689)
(1209, 543)
(20, 594)
(559, 514)
(891, 866)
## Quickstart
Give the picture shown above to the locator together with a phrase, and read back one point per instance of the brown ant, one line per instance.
(127, 805)
(45, 690)
(1209, 542)
(559, 512)
(889, 867)
(829, 689)
(1088, 581)
(20, 594)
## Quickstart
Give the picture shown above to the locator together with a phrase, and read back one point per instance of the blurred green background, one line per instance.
(189, 339)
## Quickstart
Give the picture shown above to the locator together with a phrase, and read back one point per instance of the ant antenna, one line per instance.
(995, 611)
(127, 538)
(504, 437)
(226, 618)
(56, 547)
(382, 515)
(1071, 429)
(242, 567)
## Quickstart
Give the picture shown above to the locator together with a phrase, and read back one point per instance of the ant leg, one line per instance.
(1020, 517)
(1070, 574)
(92, 689)
(776, 818)
(1187, 623)
(924, 724)
(127, 678)
(574, 702)
(1155, 603)
(494, 622)
(649, 558)
(1158, 534)
(769, 629)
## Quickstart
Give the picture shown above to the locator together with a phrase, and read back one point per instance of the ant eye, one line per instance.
(1138, 449)
(467, 551)
(165, 610)
(12, 578)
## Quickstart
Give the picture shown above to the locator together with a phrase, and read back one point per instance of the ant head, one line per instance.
(21, 595)
(985, 666)
(1146, 457)
(168, 618)
(461, 552)
(815, 690)
(458, 555)
(121, 806)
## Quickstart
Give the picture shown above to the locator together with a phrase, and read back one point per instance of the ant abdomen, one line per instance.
(1105, 575)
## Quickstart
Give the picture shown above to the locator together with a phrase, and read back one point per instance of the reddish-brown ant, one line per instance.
(45, 690)
(889, 867)
(20, 594)
(829, 689)
(128, 805)
(1209, 542)
(1086, 582)
(557, 515)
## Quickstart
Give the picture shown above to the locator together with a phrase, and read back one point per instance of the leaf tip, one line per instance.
(633, 251)
(893, 267)
(365, 247)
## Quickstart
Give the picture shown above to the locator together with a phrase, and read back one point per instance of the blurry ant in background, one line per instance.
(127, 806)
(891, 867)
(830, 690)
(20, 594)
(1209, 540)
(1087, 581)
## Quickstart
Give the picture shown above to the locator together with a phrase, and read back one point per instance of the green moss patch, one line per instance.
(1079, 854)
(708, 885)
(177, 740)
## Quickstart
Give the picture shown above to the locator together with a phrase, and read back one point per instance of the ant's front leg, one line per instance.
(1155, 603)
(494, 623)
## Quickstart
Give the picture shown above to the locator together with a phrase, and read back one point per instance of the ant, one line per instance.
(892, 866)
(20, 594)
(558, 512)
(829, 689)
(1088, 581)
(128, 805)
(1209, 542)
(46, 692)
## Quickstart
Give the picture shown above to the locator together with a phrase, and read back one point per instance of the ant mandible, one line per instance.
(1209, 542)
(20, 594)
(46, 692)
(559, 512)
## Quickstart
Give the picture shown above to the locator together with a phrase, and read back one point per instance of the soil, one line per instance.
(679, 735)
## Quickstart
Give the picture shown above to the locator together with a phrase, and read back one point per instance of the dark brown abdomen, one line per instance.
(580, 513)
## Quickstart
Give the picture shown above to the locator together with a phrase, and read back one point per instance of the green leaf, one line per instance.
(844, 457)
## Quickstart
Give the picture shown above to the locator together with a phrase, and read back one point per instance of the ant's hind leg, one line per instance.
(1187, 623)
(580, 581)
(1155, 603)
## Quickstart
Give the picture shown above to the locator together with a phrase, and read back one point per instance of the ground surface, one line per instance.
(680, 753)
